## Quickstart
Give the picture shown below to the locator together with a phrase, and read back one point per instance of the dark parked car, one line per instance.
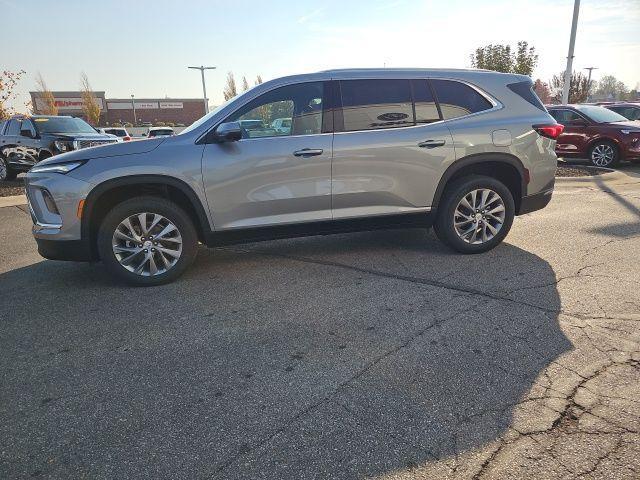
(597, 133)
(630, 111)
(25, 141)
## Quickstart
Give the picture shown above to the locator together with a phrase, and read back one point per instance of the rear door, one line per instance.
(12, 131)
(575, 137)
(388, 149)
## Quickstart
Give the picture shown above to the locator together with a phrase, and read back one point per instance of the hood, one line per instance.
(109, 150)
(628, 125)
(80, 136)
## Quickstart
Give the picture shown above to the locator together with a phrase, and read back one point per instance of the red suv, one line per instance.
(597, 133)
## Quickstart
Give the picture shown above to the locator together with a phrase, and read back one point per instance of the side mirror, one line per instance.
(228, 132)
(26, 133)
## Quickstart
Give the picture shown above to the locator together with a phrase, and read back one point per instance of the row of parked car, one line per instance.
(25, 141)
(605, 134)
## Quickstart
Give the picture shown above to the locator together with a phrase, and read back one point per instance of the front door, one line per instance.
(279, 172)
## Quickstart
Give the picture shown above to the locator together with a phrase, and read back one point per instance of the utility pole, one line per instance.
(204, 88)
(572, 44)
(589, 81)
(133, 105)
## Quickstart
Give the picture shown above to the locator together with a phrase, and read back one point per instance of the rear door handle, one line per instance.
(431, 143)
(308, 152)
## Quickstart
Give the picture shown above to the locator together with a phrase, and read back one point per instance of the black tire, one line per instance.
(6, 173)
(604, 144)
(453, 194)
(161, 206)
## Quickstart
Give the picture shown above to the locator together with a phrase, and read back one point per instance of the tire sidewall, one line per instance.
(6, 174)
(616, 153)
(444, 221)
(153, 205)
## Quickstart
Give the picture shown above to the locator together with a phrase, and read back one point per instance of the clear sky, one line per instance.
(143, 47)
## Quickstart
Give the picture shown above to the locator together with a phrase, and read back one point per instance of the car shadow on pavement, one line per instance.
(621, 230)
(341, 357)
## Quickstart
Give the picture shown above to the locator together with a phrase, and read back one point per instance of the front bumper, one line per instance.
(74, 250)
(53, 202)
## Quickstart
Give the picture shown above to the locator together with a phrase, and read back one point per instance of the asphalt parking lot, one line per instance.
(378, 355)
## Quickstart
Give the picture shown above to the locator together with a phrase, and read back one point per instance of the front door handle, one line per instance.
(308, 152)
(431, 143)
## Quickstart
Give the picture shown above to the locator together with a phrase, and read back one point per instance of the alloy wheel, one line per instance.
(147, 244)
(479, 216)
(602, 155)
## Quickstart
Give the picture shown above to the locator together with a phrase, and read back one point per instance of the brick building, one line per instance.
(121, 110)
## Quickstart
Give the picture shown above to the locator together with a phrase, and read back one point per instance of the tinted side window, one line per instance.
(565, 116)
(525, 90)
(457, 99)
(27, 125)
(627, 112)
(2, 125)
(376, 104)
(426, 109)
(14, 127)
(291, 110)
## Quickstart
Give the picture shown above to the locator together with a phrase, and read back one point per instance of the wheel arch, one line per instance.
(502, 166)
(604, 138)
(108, 193)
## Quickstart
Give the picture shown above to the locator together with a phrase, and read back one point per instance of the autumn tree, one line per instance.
(258, 80)
(48, 101)
(230, 90)
(245, 84)
(90, 105)
(543, 91)
(502, 58)
(8, 82)
(578, 87)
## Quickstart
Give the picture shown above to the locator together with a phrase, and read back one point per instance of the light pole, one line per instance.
(589, 82)
(204, 87)
(572, 44)
(133, 105)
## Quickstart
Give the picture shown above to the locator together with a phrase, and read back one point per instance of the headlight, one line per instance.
(56, 167)
(63, 146)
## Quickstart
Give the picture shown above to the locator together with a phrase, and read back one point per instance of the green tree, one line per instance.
(502, 58)
(230, 90)
(578, 87)
(90, 105)
(8, 82)
(611, 88)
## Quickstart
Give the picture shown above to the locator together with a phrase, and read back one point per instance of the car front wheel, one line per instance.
(604, 154)
(475, 214)
(147, 241)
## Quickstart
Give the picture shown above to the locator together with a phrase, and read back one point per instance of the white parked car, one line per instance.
(282, 125)
(119, 132)
(159, 132)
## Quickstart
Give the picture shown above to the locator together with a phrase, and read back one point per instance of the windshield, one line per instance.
(600, 114)
(204, 119)
(62, 125)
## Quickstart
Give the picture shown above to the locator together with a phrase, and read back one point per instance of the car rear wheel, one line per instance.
(5, 172)
(475, 214)
(604, 154)
(147, 241)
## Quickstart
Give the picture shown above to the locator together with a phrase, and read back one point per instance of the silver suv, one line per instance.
(460, 150)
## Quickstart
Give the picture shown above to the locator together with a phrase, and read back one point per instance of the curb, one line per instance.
(13, 201)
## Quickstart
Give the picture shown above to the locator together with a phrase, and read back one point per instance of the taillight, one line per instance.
(552, 131)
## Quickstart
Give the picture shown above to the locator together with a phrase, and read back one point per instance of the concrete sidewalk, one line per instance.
(13, 201)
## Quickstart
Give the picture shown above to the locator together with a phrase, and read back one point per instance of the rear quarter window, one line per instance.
(525, 91)
(457, 99)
